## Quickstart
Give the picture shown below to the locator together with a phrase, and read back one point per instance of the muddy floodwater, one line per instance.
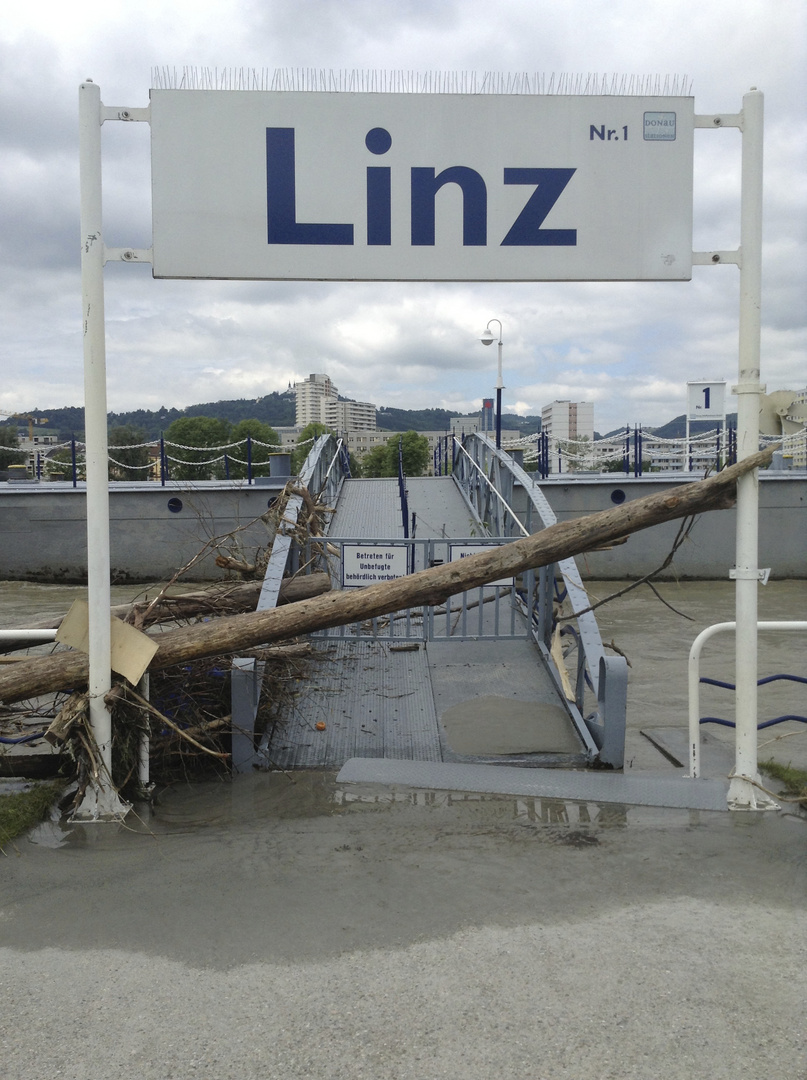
(289, 927)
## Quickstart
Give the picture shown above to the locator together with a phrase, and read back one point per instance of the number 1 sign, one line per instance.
(706, 401)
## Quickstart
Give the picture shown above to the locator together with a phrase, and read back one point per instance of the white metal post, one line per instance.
(101, 801)
(743, 794)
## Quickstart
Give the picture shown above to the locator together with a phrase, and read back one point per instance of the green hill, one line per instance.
(274, 409)
(278, 410)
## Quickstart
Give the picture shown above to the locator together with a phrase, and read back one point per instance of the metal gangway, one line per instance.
(510, 674)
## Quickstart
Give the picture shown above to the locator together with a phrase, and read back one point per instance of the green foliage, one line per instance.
(416, 453)
(8, 438)
(205, 432)
(131, 461)
(59, 465)
(617, 465)
(274, 409)
(613, 465)
(418, 419)
(793, 779)
(376, 462)
(383, 460)
(440, 420)
(254, 429)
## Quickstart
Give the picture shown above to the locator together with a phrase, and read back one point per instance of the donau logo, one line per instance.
(659, 127)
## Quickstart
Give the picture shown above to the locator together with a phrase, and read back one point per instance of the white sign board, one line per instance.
(421, 187)
(369, 564)
(706, 401)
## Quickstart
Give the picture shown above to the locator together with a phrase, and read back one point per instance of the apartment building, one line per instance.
(317, 401)
(311, 395)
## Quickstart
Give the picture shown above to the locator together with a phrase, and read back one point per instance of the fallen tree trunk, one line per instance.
(433, 586)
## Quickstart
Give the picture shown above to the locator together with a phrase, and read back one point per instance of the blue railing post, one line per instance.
(402, 490)
(249, 459)
(73, 457)
(163, 462)
(626, 452)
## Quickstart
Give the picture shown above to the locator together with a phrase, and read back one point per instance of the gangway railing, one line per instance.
(486, 613)
(514, 608)
(695, 719)
(322, 475)
(490, 480)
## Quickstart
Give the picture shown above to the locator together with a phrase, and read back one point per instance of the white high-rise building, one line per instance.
(311, 395)
(318, 402)
(568, 422)
(349, 415)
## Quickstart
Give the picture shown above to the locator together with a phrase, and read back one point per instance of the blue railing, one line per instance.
(695, 681)
(404, 495)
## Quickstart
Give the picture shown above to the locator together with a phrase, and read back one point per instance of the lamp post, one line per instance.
(487, 338)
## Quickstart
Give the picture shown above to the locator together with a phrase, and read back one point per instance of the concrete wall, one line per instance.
(709, 552)
(43, 529)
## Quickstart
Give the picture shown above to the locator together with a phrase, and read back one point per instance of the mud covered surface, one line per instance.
(269, 928)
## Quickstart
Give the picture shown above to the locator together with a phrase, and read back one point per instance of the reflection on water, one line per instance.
(256, 802)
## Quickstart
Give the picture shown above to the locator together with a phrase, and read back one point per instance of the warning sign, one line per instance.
(368, 564)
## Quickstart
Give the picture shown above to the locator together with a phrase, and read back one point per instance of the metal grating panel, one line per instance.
(439, 508)
(375, 700)
(367, 509)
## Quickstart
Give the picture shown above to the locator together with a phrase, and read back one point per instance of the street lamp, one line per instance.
(487, 338)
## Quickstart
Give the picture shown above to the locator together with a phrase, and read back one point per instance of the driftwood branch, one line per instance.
(219, 599)
(433, 586)
(683, 534)
(141, 701)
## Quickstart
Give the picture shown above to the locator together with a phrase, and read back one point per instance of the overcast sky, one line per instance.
(628, 347)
